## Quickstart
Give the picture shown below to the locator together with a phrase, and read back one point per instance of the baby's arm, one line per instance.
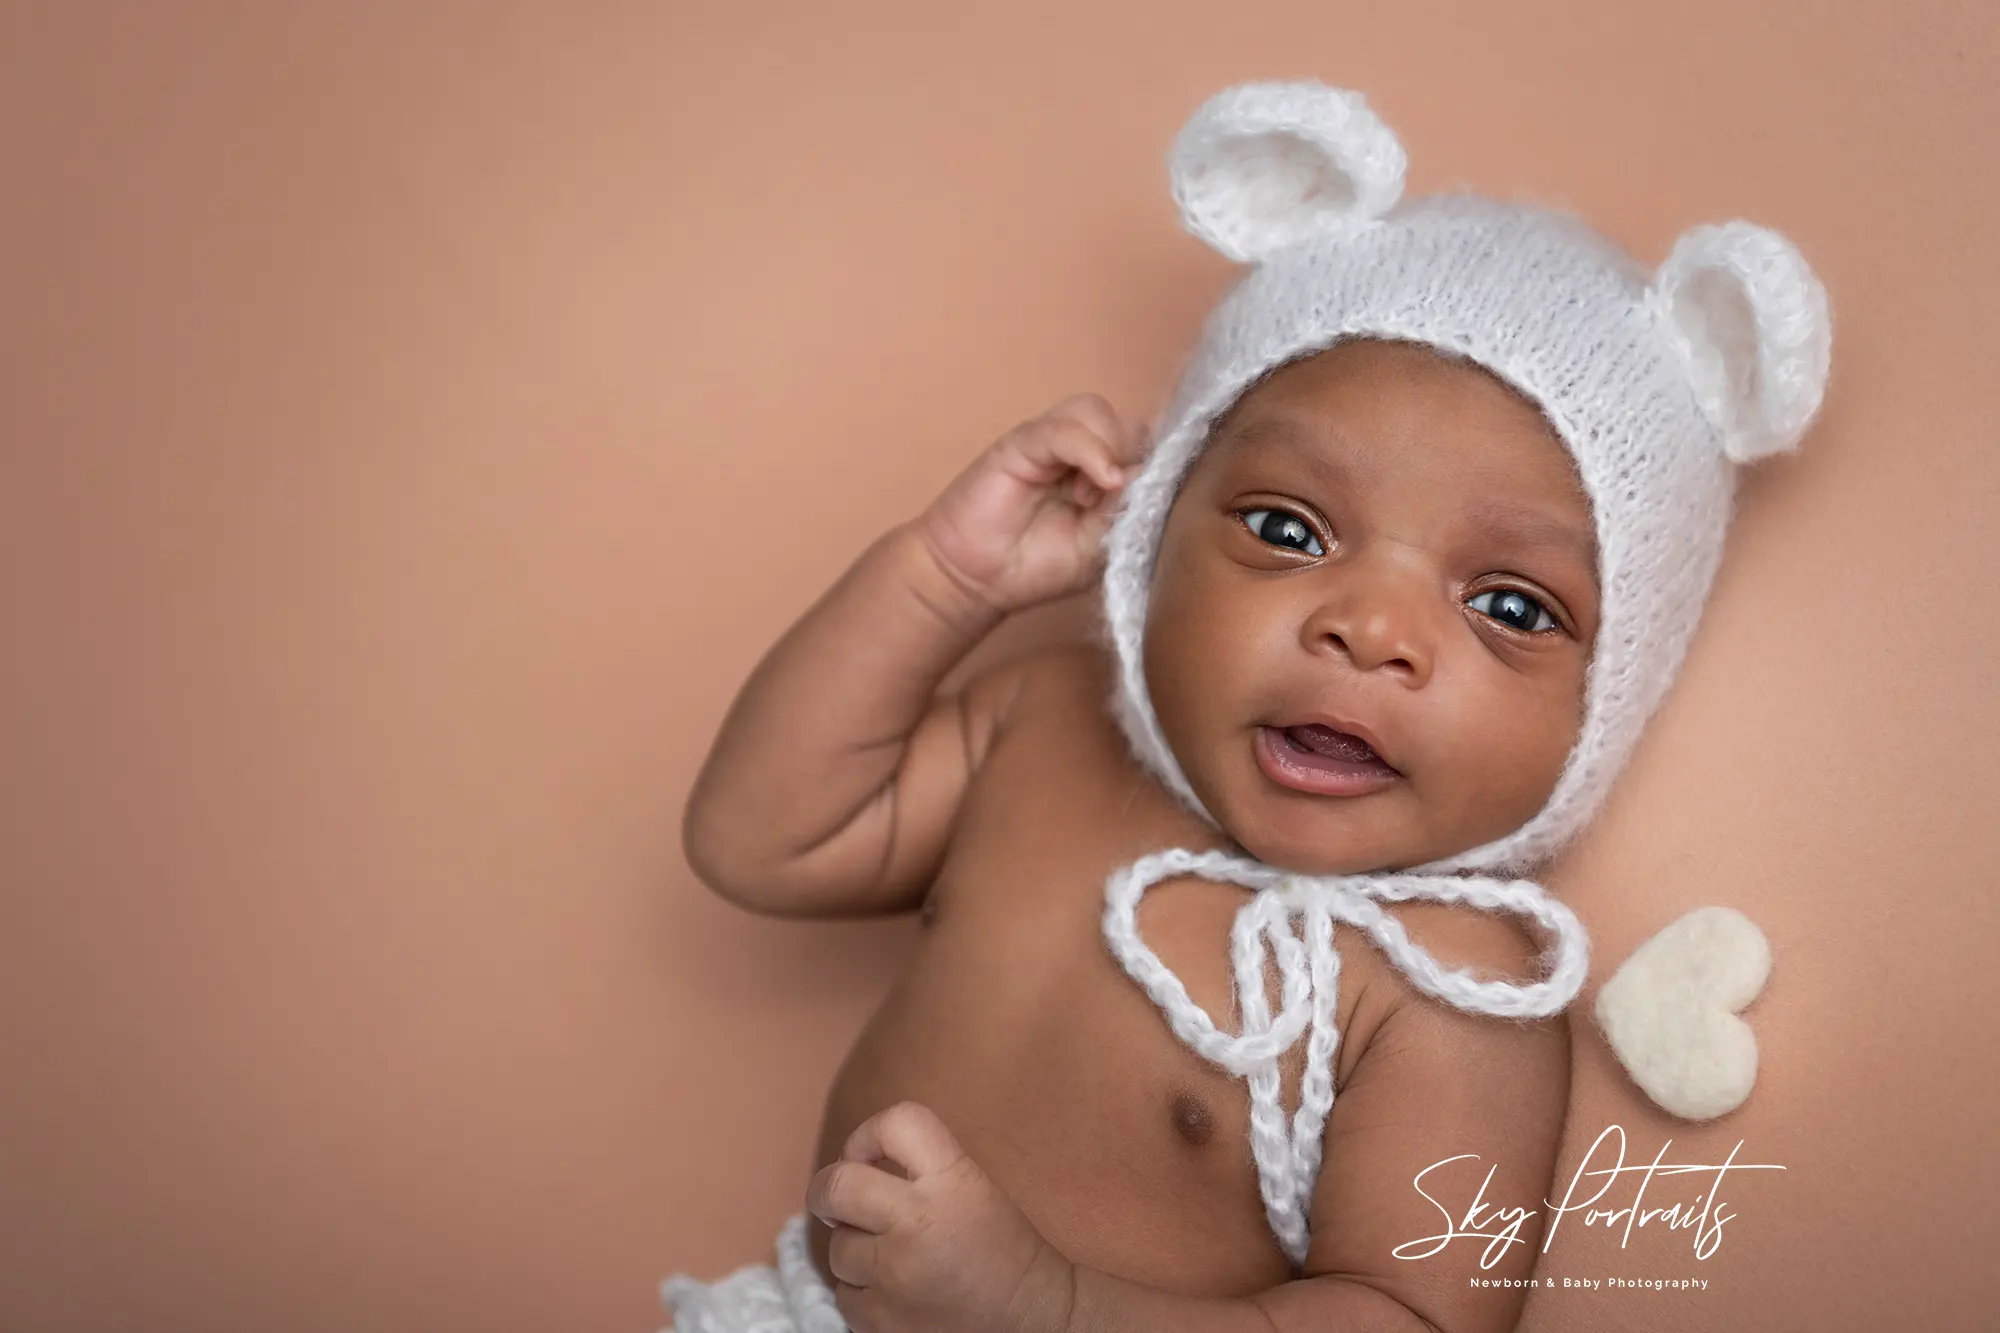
(836, 772)
(833, 782)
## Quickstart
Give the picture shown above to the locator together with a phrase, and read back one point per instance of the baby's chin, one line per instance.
(1330, 857)
(1330, 846)
(1321, 860)
(1374, 834)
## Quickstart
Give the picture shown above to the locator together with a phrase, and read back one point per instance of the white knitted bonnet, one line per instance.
(1659, 384)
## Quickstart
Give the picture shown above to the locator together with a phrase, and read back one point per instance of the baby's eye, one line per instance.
(1282, 529)
(1515, 609)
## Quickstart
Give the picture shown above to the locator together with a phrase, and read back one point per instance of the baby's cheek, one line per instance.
(1539, 744)
(1194, 650)
(1510, 751)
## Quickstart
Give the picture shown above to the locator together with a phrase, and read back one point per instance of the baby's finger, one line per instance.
(1093, 410)
(1055, 445)
(1091, 527)
(852, 1255)
(1130, 441)
(856, 1194)
(908, 1134)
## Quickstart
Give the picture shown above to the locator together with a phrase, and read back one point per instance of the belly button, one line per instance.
(928, 912)
(1191, 1119)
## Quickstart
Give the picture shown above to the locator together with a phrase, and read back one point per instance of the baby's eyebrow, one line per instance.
(1301, 442)
(1528, 527)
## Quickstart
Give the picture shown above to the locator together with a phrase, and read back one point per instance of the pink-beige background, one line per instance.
(416, 420)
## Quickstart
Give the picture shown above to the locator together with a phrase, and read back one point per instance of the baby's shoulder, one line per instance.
(1492, 944)
(1054, 759)
(1071, 671)
(993, 698)
(1064, 687)
(1487, 1050)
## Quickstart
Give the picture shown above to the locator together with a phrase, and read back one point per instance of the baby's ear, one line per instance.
(1750, 322)
(1263, 165)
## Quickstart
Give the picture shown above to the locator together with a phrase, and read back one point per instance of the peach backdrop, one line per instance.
(418, 419)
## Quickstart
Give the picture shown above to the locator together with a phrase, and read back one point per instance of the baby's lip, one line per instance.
(1332, 723)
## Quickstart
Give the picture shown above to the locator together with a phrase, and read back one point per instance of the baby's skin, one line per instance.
(1377, 538)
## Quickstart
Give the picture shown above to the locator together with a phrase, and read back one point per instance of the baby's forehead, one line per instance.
(1458, 453)
(1358, 369)
(1372, 381)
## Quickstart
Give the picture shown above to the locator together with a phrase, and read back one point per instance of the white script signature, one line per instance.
(1500, 1227)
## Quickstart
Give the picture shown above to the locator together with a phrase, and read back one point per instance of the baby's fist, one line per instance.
(938, 1249)
(1026, 521)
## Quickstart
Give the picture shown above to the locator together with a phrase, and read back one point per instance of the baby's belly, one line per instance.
(1063, 1081)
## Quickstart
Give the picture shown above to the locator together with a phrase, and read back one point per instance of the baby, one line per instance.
(1418, 549)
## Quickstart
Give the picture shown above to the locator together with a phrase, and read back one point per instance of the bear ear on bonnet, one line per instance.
(1751, 325)
(1263, 165)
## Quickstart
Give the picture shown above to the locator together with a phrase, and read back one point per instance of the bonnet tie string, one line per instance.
(1288, 1157)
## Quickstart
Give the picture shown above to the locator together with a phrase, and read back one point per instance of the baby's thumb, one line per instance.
(1091, 527)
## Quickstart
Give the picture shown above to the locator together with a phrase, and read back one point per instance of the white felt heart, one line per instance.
(1670, 1012)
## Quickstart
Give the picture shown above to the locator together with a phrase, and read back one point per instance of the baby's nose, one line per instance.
(1378, 624)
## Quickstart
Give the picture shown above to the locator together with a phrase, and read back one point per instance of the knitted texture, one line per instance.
(759, 1298)
(1658, 385)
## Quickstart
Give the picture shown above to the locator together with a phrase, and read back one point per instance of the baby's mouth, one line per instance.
(1324, 742)
(1316, 758)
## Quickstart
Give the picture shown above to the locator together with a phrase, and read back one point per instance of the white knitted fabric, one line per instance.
(789, 1297)
(1658, 384)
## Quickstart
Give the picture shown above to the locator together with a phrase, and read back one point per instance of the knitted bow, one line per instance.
(1288, 1160)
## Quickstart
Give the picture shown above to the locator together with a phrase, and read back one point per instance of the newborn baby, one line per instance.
(1420, 546)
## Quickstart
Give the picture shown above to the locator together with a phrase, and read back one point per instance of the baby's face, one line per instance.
(1382, 541)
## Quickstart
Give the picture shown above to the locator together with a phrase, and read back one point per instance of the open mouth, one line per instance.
(1316, 758)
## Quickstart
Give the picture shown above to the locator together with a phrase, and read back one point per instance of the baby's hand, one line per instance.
(939, 1248)
(1026, 521)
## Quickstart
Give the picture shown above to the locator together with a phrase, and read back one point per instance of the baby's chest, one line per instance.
(1065, 1082)
(1015, 952)
(1017, 944)
(1058, 809)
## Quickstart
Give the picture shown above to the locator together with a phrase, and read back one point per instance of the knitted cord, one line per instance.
(1289, 1157)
